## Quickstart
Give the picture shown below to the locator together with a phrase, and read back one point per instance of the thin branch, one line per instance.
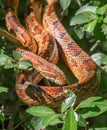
(18, 124)
(94, 46)
(11, 122)
(2, 122)
(79, 3)
(9, 36)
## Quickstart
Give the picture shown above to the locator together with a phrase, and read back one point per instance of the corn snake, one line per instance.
(12, 20)
(22, 34)
(78, 61)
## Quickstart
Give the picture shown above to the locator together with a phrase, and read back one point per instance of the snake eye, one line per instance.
(20, 50)
(34, 89)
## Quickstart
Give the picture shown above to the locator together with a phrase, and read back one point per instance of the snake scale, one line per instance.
(78, 61)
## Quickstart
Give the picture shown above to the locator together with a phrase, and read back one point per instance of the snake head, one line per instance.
(21, 51)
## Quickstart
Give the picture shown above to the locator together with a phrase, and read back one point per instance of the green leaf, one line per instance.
(3, 89)
(2, 50)
(79, 32)
(35, 123)
(100, 107)
(105, 20)
(16, 55)
(65, 4)
(70, 121)
(98, 34)
(103, 45)
(4, 59)
(49, 119)
(102, 10)
(104, 29)
(90, 112)
(86, 8)
(90, 26)
(81, 122)
(41, 111)
(25, 64)
(97, 57)
(2, 117)
(88, 102)
(68, 102)
(55, 122)
(82, 18)
(9, 66)
(104, 60)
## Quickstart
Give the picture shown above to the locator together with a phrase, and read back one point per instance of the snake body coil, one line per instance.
(76, 59)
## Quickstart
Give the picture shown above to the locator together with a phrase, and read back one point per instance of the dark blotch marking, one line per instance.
(88, 64)
(58, 26)
(50, 10)
(37, 30)
(74, 49)
(46, 38)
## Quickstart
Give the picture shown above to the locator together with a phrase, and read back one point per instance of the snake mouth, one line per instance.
(45, 95)
(26, 94)
(38, 94)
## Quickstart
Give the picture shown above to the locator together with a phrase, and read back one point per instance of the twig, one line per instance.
(87, 126)
(94, 46)
(11, 122)
(18, 124)
(2, 125)
(9, 36)
(2, 121)
(79, 3)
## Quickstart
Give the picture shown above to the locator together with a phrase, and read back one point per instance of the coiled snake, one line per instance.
(76, 59)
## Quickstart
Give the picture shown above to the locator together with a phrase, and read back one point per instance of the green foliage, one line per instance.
(90, 26)
(16, 55)
(4, 59)
(69, 102)
(2, 117)
(3, 89)
(41, 111)
(50, 117)
(70, 122)
(25, 64)
(70, 116)
(65, 4)
(98, 57)
(9, 62)
(94, 106)
(92, 19)
(102, 10)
